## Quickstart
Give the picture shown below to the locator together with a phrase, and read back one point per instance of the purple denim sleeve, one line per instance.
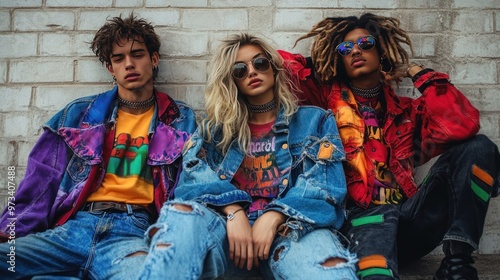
(36, 193)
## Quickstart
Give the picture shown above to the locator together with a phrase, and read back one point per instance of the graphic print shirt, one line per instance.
(386, 189)
(128, 178)
(258, 174)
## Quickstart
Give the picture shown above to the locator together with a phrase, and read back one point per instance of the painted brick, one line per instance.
(497, 21)
(490, 125)
(292, 20)
(486, 100)
(260, 19)
(93, 20)
(160, 17)
(428, 22)
(58, 44)
(16, 125)
(20, 4)
(239, 3)
(7, 151)
(3, 71)
(423, 45)
(483, 4)
(55, 98)
(183, 44)
(80, 3)
(128, 3)
(177, 3)
(286, 41)
(92, 71)
(467, 46)
(43, 20)
(18, 45)
(306, 4)
(368, 4)
(473, 22)
(192, 95)
(182, 71)
(217, 19)
(41, 70)
(467, 73)
(4, 21)
(15, 98)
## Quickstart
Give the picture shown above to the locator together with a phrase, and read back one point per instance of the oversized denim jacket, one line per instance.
(68, 162)
(308, 154)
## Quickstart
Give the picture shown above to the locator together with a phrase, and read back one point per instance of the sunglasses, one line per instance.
(260, 64)
(364, 43)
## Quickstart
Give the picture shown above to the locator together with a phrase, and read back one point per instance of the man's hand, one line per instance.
(263, 232)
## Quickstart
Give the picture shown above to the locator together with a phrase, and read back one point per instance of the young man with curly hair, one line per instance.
(101, 170)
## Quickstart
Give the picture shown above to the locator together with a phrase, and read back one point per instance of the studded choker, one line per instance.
(366, 93)
(136, 105)
(263, 108)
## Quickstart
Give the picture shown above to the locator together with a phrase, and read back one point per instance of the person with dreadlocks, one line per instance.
(100, 171)
(391, 219)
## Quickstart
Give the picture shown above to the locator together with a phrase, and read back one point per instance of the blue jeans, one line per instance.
(92, 245)
(194, 245)
(447, 206)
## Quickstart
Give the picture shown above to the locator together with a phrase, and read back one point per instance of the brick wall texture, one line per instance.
(45, 59)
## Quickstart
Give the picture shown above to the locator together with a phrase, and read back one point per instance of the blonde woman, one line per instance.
(262, 182)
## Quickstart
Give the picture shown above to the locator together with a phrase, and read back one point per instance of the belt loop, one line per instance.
(91, 206)
(129, 209)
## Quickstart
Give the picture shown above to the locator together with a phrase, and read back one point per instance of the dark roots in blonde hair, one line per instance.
(116, 29)
(331, 31)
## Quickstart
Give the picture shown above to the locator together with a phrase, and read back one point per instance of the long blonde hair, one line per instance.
(227, 113)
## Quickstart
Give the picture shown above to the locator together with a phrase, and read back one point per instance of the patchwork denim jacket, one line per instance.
(69, 160)
(308, 153)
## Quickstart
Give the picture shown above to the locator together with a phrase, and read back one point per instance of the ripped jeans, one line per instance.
(195, 246)
(92, 245)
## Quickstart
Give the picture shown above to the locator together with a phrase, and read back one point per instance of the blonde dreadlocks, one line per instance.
(331, 31)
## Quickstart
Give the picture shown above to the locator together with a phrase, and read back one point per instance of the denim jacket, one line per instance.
(308, 153)
(69, 160)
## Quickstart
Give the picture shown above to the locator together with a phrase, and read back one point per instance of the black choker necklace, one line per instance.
(366, 93)
(136, 105)
(269, 106)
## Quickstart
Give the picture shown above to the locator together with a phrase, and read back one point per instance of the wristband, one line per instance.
(230, 216)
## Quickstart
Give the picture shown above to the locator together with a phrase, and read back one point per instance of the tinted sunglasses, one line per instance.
(364, 43)
(260, 64)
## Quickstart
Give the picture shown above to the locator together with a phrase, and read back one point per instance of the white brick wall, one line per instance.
(45, 61)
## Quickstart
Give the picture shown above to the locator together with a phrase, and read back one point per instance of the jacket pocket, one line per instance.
(78, 169)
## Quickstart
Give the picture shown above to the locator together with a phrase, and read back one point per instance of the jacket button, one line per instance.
(284, 146)
(398, 132)
(285, 182)
(223, 177)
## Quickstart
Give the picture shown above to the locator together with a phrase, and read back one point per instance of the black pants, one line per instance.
(451, 204)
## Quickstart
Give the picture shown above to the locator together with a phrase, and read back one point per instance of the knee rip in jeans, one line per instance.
(330, 262)
(139, 253)
(181, 207)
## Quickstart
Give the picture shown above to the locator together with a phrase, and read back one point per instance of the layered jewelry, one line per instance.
(366, 93)
(136, 105)
(263, 108)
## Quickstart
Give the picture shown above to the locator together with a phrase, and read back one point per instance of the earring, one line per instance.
(385, 65)
(114, 81)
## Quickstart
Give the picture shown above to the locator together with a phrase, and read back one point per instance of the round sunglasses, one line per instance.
(364, 43)
(260, 64)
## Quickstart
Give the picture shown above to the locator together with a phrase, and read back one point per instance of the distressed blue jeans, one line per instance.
(92, 245)
(451, 204)
(194, 245)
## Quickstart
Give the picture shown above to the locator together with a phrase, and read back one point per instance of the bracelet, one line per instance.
(230, 216)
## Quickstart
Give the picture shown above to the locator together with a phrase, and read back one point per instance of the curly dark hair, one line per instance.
(331, 31)
(116, 29)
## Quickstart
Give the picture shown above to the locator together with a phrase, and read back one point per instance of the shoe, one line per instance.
(456, 267)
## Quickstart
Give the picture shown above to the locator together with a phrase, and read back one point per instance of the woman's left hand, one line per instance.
(263, 232)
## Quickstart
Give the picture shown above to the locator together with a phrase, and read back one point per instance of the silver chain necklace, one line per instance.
(366, 93)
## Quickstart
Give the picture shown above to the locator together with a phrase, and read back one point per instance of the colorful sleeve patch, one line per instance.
(372, 261)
